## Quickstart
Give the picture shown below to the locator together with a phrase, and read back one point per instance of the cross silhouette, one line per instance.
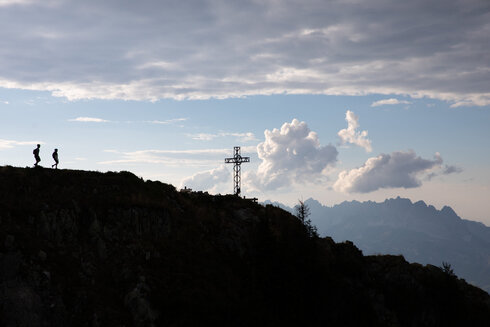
(237, 160)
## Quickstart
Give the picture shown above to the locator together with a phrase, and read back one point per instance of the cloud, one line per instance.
(200, 159)
(166, 122)
(100, 120)
(89, 120)
(243, 137)
(4, 3)
(446, 170)
(207, 180)
(399, 169)
(8, 144)
(391, 101)
(203, 136)
(452, 170)
(222, 49)
(351, 135)
(290, 155)
(194, 157)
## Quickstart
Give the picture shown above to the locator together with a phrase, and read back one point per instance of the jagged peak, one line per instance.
(420, 203)
(448, 211)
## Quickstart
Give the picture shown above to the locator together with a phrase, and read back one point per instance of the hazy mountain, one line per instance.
(90, 249)
(419, 232)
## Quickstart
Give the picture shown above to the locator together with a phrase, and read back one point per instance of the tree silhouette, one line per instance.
(446, 267)
(302, 212)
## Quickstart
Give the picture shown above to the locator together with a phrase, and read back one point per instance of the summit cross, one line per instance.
(237, 160)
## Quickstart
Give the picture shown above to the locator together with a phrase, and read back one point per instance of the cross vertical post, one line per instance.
(237, 160)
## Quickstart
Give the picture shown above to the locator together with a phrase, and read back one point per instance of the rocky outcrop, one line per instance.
(91, 249)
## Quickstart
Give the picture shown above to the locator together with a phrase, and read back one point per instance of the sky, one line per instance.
(335, 100)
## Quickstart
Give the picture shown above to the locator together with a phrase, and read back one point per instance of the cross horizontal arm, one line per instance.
(237, 160)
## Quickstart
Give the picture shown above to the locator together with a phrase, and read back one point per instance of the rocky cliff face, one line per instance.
(91, 249)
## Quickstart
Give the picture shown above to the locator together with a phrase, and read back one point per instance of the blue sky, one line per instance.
(335, 100)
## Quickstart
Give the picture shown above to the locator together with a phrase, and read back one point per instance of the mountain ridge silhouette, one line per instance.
(82, 248)
(416, 230)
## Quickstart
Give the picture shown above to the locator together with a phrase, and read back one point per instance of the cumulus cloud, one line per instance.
(89, 120)
(391, 101)
(399, 169)
(351, 135)
(289, 155)
(207, 180)
(202, 49)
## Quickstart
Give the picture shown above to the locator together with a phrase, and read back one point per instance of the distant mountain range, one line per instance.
(418, 231)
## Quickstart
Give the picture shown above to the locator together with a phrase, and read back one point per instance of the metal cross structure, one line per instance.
(237, 160)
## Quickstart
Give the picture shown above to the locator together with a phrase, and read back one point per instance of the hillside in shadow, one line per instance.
(84, 248)
(418, 231)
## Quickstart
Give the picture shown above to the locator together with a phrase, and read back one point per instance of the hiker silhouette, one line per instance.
(36, 155)
(56, 160)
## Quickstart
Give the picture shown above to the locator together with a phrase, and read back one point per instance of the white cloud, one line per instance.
(8, 144)
(290, 155)
(243, 137)
(350, 135)
(391, 101)
(167, 122)
(89, 120)
(44, 3)
(100, 120)
(399, 169)
(207, 180)
(177, 158)
(199, 50)
(203, 136)
(4, 3)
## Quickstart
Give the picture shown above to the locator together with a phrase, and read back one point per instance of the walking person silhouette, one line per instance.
(56, 160)
(36, 155)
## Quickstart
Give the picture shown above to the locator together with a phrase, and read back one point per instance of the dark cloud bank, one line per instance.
(201, 49)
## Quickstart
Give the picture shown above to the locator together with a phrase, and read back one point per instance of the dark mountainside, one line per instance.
(419, 232)
(90, 249)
